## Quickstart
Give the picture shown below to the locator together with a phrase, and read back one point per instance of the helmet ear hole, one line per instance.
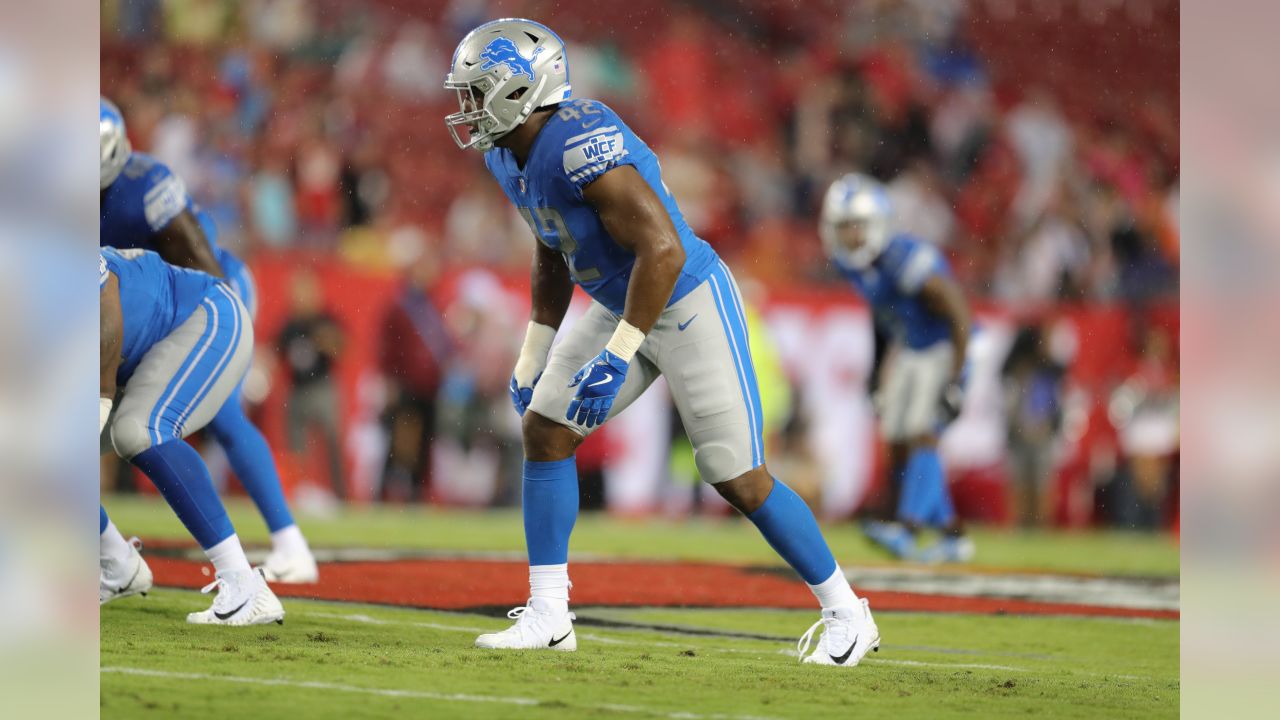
(517, 94)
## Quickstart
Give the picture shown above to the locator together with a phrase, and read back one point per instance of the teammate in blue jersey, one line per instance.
(144, 205)
(909, 285)
(174, 345)
(663, 303)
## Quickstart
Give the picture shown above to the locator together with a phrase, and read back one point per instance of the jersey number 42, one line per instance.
(550, 229)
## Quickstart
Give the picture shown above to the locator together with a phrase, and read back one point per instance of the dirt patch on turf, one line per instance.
(458, 584)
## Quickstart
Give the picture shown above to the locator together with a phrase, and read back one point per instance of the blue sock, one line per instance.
(923, 488)
(550, 509)
(182, 478)
(102, 519)
(251, 459)
(791, 530)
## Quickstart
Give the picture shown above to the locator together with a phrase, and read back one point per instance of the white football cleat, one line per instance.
(119, 579)
(948, 550)
(848, 634)
(294, 568)
(243, 599)
(538, 627)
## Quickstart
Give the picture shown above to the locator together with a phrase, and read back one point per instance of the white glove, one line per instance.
(530, 364)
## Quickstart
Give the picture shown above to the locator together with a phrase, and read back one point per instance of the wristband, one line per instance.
(626, 341)
(537, 340)
(104, 413)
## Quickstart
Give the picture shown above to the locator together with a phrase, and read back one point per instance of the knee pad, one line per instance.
(718, 462)
(129, 436)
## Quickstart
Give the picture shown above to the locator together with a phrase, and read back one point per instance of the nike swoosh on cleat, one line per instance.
(685, 324)
(224, 616)
(556, 641)
(608, 378)
(840, 660)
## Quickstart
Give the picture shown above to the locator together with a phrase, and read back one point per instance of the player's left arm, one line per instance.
(182, 242)
(942, 295)
(110, 340)
(637, 220)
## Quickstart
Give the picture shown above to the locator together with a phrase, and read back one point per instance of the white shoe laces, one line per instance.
(806, 640)
(223, 599)
(832, 626)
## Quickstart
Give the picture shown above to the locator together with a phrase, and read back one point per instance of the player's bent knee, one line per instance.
(923, 441)
(748, 491)
(129, 436)
(720, 462)
(547, 440)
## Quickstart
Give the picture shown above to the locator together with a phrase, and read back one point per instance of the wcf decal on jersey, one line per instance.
(593, 151)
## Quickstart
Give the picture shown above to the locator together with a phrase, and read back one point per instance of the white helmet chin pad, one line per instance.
(502, 71)
(855, 198)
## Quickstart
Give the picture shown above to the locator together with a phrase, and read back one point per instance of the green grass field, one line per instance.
(346, 660)
(725, 540)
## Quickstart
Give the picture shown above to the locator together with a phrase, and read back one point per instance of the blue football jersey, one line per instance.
(155, 298)
(583, 140)
(891, 285)
(145, 198)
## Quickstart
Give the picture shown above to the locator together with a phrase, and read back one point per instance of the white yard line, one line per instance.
(416, 694)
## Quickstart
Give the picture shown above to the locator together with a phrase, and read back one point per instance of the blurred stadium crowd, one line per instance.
(312, 132)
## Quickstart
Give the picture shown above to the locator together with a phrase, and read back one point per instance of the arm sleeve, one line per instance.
(590, 152)
(165, 198)
(923, 262)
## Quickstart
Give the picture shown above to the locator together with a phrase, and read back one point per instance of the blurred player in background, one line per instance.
(911, 292)
(663, 304)
(176, 343)
(144, 205)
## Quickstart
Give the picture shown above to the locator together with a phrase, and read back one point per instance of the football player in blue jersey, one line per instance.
(663, 303)
(909, 285)
(174, 343)
(144, 205)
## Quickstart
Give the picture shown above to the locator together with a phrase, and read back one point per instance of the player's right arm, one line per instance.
(551, 290)
(182, 242)
(110, 340)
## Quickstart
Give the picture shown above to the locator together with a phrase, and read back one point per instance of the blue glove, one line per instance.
(522, 396)
(598, 383)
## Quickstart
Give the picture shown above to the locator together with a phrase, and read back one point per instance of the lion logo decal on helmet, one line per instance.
(502, 51)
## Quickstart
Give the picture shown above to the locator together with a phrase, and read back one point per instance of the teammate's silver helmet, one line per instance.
(113, 143)
(503, 71)
(859, 200)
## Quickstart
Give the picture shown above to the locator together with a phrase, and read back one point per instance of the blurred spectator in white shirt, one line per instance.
(1042, 139)
(919, 206)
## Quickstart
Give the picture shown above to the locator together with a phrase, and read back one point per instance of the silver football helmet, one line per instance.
(503, 71)
(855, 220)
(113, 143)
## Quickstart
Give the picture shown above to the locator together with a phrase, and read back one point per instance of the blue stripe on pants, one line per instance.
(228, 308)
(722, 289)
(155, 421)
(201, 369)
(753, 384)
